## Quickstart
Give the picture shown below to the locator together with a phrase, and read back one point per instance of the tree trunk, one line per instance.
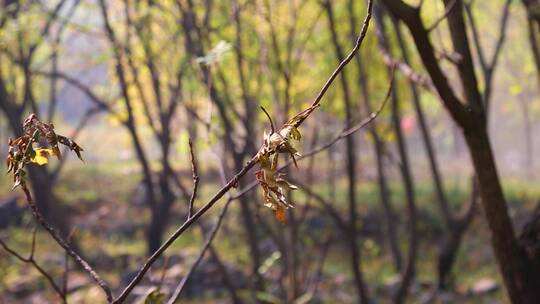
(533, 16)
(160, 214)
(449, 248)
(378, 150)
(520, 276)
(350, 167)
(455, 228)
(521, 279)
(407, 274)
(410, 267)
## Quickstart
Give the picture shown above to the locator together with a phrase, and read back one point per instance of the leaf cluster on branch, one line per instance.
(275, 143)
(22, 152)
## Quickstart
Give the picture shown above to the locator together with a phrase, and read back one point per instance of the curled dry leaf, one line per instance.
(272, 183)
(22, 152)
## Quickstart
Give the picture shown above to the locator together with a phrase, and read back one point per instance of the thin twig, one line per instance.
(250, 164)
(66, 264)
(195, 174)
(65, 276)
(163, 272)
(341, 135)
(447, 11)
(272, 129)
(419, 79)
(176, 234)
(43, 222)
(30, 260)
(199, 258)
(345, 61)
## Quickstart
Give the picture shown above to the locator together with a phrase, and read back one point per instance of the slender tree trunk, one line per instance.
(350, 168)
(426, 136)
(408, 273)
(160, 214)
(455, 229)
(378, 150)
(452, 240)
(410, 267)
(532, 8)
(520, 278)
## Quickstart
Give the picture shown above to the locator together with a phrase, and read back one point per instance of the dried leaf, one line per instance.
(19, 178)
(280, 215)
(73, 146)
(272, 183)
(22, 153)
(284, 183)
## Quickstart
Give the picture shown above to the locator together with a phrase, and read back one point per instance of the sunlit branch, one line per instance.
(250, 164)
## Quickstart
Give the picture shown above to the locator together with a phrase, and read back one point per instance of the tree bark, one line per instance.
(520, 276)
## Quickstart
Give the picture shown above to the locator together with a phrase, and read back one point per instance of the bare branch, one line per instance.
(447, 11)
(30, 260)
(270, 119)
(488, 67)
(56, 236)
(411, 17)
(152, 259)
(421, 80)
(198, 260)
(345, 61)
(326, 205)
(250, 164)
(195, 179)
(341, 135)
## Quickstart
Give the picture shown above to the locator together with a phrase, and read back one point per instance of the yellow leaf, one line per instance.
(42, 156)
(40, 160)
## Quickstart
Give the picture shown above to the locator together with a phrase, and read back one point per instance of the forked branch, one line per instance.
(266, 150)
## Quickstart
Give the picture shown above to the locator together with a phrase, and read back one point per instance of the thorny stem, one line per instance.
(43, 222)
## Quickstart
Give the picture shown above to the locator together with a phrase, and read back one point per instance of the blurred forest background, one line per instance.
(388, 214)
